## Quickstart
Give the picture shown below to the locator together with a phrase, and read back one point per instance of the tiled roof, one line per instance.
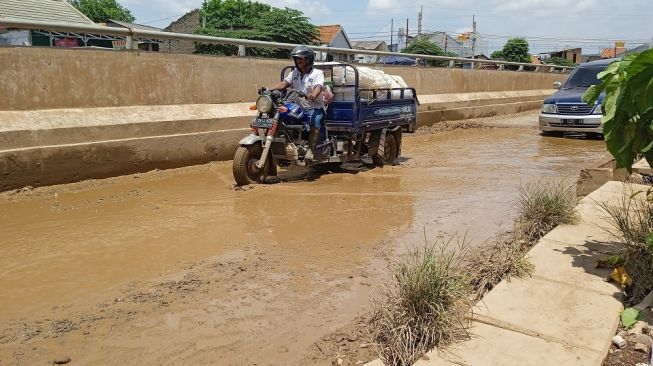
(328, 33)
(367, 45)
(42, 10)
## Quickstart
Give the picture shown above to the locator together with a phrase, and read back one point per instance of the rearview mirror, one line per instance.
(557, 85)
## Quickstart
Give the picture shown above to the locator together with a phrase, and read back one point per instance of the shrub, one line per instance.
(426, 305)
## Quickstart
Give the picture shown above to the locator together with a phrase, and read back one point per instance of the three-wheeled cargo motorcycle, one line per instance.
(360, 123)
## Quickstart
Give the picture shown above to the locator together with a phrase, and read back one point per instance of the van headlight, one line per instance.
(264, 104)
(549, 108)
(598, 110)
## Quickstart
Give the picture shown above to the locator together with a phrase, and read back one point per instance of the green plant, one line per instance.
(102, 10)
(253, 20)
(426, 305)
(632, 217)
(423, 46)
(627, 107)
(515, 50)
(630, 317)
(543, 205)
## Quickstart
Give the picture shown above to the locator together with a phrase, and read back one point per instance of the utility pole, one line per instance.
(446, 40)
(473, 38)
(473, 35)
(392, 30)
(419, 22)
(406, 32)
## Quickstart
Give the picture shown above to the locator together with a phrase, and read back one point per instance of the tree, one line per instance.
(253, 20)
(423, 46)
(100, 11)
(627, 107)
(497, 55)
(515, 50)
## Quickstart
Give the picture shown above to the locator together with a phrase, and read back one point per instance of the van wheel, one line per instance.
(552, 133)
(389, 152)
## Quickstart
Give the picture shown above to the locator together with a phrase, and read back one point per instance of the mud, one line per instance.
(178, 267)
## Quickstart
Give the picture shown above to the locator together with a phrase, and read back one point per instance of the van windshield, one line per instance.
(582, 78)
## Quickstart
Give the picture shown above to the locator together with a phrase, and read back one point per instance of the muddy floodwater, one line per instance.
(178, 267)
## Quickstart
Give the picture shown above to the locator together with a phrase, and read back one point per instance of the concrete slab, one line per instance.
(581, 233)
(574, 265)
(493, 346)
(554, 310)
(642, 167)
(592, 178)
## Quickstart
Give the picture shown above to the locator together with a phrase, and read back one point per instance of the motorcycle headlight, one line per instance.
(598, 110)
(264, 104)
(549, 108)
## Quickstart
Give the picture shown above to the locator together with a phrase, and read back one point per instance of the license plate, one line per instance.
(572, 122)
(263, 122)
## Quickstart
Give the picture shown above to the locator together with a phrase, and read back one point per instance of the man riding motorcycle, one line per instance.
(309, 81)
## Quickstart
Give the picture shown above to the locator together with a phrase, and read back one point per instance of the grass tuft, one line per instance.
(543, 205)
(425, 305)
(632, 218)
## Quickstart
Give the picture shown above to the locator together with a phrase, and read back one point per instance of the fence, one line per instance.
(133, 34)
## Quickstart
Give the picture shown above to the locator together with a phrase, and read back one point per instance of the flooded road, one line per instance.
(178, 267)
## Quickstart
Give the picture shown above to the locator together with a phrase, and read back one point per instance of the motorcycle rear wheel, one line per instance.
(244, 169)
(389, 152)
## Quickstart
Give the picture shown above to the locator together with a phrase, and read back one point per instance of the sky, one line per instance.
(548, 25)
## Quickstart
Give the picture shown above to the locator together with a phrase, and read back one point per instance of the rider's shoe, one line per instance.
(312, 143)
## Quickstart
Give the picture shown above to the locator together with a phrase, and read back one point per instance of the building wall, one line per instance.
(45, 78)
(449, 44)
(186, 24)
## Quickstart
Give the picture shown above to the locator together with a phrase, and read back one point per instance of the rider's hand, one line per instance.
(262, 90)
(311, 97)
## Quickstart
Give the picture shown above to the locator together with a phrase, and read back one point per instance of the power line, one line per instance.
(158, 20)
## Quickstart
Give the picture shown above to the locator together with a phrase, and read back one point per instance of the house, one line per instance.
(449, 44)
(369, 46)
(333, 36)
(479, 65)
(186, 24)
(574, 55)
(143, 44)
(59, 11)
(612, 52)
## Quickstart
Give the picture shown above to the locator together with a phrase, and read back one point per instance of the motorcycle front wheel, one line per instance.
(244, 167)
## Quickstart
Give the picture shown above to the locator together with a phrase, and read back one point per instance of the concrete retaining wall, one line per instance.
(70, 115)
(43, 78)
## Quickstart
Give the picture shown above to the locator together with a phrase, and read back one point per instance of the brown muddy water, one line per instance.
(178, 267)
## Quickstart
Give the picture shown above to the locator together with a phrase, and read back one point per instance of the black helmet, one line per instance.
(303, 52)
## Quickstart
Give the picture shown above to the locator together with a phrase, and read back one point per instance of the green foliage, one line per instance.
(252, 20)
(497, 55)
(100, 11)
(627, 107)
(559, 61)
(515, 50)
(423, 46)
(630, 317)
